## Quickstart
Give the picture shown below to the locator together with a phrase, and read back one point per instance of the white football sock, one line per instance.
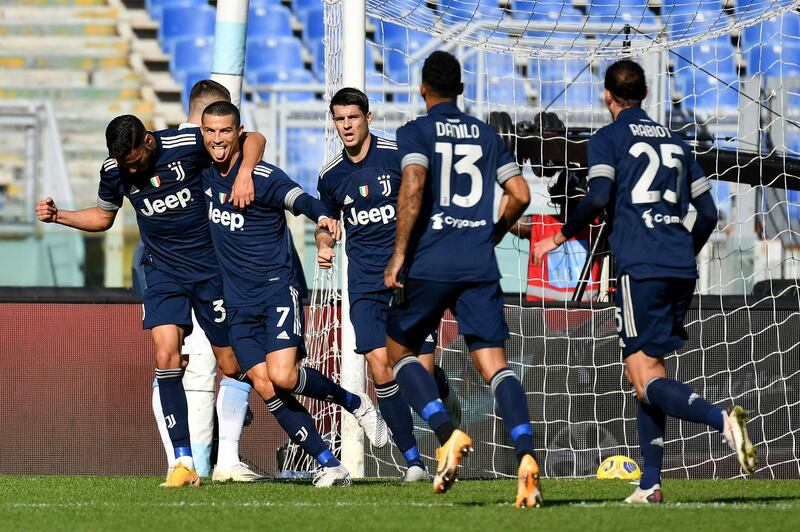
(232, 403)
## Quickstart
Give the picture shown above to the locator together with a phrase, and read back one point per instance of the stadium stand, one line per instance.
(80, 61)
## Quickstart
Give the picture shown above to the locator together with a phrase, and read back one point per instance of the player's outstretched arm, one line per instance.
(707, 216)
(522, 228)
(325, 251)
(93, 219)
(589, 208)
(243, 191)
(409, 203)
(515, 200)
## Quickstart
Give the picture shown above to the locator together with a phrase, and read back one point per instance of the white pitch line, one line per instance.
(348, 504)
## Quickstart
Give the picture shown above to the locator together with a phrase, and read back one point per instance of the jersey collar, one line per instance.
(631, 113)
(445, 108)
(370, 151)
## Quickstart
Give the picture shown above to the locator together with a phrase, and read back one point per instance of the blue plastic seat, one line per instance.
(395, 65)
(555, 69)
(714, 55)
(707, 95)
(281, 54)
(562, 93)
(546, 11)
(401, 38)
(779, 59)
(460, 12)
(154, 7)
(191, 54)
(267, 21)
(494, 64)
(301, 6)
(313, 25)
(693, 19)
(771, 29)
(185, 21)
(318, 60)
(293, 77)
(305, 154)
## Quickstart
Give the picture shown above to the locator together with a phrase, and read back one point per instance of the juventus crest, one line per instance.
(178, 169)
(386, 184)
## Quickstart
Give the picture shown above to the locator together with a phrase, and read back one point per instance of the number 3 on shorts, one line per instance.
(218, 307)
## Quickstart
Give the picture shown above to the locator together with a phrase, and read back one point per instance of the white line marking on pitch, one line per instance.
(346, 504)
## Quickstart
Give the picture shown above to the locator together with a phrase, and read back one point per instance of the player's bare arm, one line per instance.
(590, 207)
(325, 251)
(409, 203)
(93, 219)
(515, 200)
(243, 191)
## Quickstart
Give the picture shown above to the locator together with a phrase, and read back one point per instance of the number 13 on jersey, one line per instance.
(468, 155)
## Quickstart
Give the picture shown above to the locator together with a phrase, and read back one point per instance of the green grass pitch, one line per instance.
(127, 503)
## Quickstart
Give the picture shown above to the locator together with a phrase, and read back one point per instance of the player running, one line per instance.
(159, 174)
(445, 239)
(646, 176)
(259, 279)
(362, 183)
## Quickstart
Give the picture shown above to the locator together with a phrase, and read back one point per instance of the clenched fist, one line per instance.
(47, 210)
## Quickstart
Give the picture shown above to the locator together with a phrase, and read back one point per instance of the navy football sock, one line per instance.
(441, 382)
(419, 390)
(314, 384)
(678, 400)
(299, 425)
(397, 414)
(650, 422)
(176, 413)
(513, 406)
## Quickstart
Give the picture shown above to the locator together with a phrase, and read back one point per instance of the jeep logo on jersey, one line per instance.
(386, 184)
(384, 214)
(651, 219)
(179, 200)
(231, 220)
(439, 220)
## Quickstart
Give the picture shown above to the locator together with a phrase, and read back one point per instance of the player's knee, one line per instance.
(230, 368)
(168, 358)
(263, 387)
(382, 373)
(379, 366)
(284, 378)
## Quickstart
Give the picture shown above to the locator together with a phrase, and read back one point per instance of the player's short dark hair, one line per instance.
(123, 134)
(223, 108)
(442, 73)
(350, 96)
(626, 82)
(207, 89)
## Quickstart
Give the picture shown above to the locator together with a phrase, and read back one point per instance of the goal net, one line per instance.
(725, 76)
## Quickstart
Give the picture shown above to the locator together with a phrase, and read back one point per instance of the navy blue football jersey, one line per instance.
(656, 176)
(452, 240)
(365, 194)
(169, 204)
(252, 245)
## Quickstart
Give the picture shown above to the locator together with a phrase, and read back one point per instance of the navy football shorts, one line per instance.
(168, 301)
(477, 307)
(277, 323)
(368, 314)
(650, 314)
